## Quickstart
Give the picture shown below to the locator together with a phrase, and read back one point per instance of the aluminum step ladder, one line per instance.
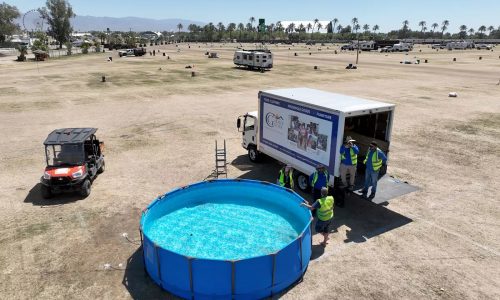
(220, 161)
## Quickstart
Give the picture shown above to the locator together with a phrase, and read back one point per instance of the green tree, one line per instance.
(41, 42)
(490, 29)
(471, 31)
(422, 25)
(463, 31)
(179, 27)
(252, 20)
(334, 23)
(230, 28)
(57, 13)
(8, 14)
(366, 28)
(444, 26)
(375, 28)
(481, 30)
(434, 26)
(241, 27)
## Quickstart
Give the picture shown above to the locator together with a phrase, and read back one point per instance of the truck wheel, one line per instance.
(86, 188)
(102, 168)
(253, 154)
(303, 182)
(46, 192)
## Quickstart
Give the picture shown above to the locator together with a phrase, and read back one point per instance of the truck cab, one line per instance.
(247, 125)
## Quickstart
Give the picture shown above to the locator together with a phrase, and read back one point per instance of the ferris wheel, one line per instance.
(33, 20)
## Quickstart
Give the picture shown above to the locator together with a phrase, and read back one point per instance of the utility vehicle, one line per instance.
(74, 157)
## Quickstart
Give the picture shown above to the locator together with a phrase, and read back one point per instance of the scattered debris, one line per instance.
(454, 59)
(453, 94)
(193, 74)
(188, 67)
(315, 67)
(103, 78)
(213, 55)
(351, 66)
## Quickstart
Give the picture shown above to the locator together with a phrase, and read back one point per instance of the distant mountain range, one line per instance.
(88, 23)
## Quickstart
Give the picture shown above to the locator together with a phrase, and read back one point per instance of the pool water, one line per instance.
(224, 231)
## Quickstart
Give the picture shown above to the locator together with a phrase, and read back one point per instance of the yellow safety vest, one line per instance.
(354, 157)
(282, 178)
(315, 178)
(325, 211)
(376, 162)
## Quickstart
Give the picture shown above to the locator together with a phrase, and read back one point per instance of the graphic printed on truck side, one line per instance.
(300, 132)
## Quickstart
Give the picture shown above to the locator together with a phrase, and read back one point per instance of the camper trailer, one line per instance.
(254, 59)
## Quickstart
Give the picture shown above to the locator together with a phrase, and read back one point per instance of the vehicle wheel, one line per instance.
(102, 168)
(46, 192)
(253, 154)
(86, 188)
(303, 182)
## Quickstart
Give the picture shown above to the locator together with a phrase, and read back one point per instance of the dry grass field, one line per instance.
(159, 125)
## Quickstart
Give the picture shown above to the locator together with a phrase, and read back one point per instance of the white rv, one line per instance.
(254, 59)
(402, 47)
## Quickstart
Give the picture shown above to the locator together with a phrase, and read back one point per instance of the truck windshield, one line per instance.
(68, 154)
(249, 123)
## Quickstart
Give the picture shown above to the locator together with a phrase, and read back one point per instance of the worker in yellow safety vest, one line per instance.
(373, 161)
(348, 162)
(285, 177)
(318, 180)
(324, 212)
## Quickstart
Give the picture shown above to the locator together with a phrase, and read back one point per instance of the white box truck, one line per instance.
(305, 127)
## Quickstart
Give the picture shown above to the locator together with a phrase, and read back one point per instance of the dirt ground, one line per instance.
(159, 125)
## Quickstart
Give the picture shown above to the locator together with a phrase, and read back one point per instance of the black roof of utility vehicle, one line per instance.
(69, 136)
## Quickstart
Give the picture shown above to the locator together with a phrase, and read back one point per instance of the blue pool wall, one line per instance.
(249, 278)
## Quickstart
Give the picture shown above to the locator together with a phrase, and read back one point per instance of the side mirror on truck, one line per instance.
(238, 123)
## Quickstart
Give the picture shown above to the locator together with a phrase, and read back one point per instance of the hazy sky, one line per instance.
(388, 14)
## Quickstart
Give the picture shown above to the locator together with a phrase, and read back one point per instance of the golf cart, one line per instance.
(74, 158)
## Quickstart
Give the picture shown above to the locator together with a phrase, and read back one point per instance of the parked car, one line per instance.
(483, 47)
(386, 49)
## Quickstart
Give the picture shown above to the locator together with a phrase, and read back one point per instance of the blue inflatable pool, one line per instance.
(226, 239)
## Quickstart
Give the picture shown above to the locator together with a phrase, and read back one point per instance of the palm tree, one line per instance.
(271, 29)
(354, 21)
(241, 27)
(334, 22)
(471, 31)
(366, 28)
(444, 27)
(309, 26)
(314, 26)
(434, 26)
(481, 30)
(279, 26)
(302, 27)
(319, 26)
(252, 20)
(490, 29)
(422, 24)
(220, 28)
(375, 28)
(179, 26)
(356, 28)
(339, 28)
(463, 28)
(230, 28)
(405, 25)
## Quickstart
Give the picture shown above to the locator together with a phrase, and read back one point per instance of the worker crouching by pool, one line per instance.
(324, 212)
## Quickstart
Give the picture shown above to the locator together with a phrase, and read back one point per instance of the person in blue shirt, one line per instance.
(373, 161)
(318, 180)
(348, 161)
